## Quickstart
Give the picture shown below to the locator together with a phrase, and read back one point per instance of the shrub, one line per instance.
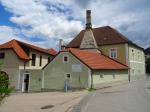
(4, 86)
(148, 66)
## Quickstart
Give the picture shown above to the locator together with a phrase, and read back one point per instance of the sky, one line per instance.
(44, 22)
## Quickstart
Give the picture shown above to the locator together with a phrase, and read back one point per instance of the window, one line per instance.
(49, 59)
(114, 76)
(133, 71)
(2, 55)
(113, 53)
(133, 54)
(67, 76)
(138, 55)
(101, 76)
(65, 59)
(33, 59)
(40, 61)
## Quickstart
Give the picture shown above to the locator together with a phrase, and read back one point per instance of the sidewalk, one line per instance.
(42, 102)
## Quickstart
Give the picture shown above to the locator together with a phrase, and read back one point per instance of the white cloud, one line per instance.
(43, 22)
(53, 19)
(8, 33)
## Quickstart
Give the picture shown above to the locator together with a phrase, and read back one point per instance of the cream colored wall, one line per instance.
(121, 51)
(11, 60)
(11, 66)
(137, 65)
(37, 66)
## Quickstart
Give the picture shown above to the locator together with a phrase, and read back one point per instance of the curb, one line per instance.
(82, 104)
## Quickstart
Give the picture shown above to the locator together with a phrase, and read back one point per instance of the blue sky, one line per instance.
(44, 22)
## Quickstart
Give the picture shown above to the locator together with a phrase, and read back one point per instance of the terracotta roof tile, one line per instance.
(96, 60)
(39, 49)
(17, 47)
(103, 35)
(52, 51)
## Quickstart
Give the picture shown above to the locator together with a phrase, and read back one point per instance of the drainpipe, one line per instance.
(24, 65)
(129, 75)
(91, 79)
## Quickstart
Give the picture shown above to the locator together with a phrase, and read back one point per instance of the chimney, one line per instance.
(88, 19)
(61, 45)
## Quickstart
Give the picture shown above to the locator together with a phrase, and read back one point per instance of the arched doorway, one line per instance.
(4, 79)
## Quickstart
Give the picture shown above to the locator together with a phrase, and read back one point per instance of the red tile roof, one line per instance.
(52, 51)
(39, 49)
(17, 47)
(96, 60)
(105, 35)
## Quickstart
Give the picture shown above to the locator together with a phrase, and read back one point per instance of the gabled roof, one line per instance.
(95, 60)
(52, 51)
(105, 35)
(18, 47)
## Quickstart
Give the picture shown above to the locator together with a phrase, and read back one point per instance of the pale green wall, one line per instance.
(108, 76)
(54, 73)
(137, 65)
(121, 51)
(35, 79)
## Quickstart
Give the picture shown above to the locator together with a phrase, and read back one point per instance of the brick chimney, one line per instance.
(88, 19)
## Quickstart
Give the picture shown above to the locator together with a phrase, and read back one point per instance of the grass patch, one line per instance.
(91, 89)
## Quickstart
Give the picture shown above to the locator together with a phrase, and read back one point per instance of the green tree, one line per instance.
(5, 90)
(148, 66)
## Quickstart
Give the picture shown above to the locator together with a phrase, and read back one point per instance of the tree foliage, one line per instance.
(4, 89)
(4, 85)
(148, 66)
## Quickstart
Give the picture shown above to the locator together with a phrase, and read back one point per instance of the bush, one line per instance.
(148, 66)
(4, 86)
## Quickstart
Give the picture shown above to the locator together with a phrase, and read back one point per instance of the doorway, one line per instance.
(25, 83)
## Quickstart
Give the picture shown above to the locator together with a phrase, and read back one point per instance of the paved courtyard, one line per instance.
(42, 102)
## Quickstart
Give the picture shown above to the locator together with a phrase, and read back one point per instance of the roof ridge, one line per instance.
(79, 52)
(40, 49)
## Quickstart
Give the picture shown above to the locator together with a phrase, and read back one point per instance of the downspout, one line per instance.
(129, 78)
(24, 65)
(91, 79)
(129, 74)
(42, 80)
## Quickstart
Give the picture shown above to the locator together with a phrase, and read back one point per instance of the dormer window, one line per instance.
(113, 53)
(2, 55)
(65, 59)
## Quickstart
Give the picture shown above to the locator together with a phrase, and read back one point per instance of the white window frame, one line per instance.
(133, 53)
(66, 76)
(23, 84)
(67, 60)
(110, 53)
